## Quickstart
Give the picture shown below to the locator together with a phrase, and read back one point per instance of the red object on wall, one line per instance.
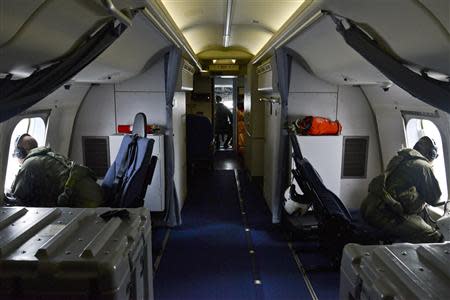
(127, 129)
(124, 128)
(312, 125)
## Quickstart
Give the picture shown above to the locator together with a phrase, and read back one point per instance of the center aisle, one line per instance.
(207, 257)
(212, 256)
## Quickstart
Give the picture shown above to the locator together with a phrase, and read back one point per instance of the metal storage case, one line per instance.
(73, 253)
(399, 271)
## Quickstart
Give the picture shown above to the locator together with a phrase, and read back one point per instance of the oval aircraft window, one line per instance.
(34, 127)
(417, 128)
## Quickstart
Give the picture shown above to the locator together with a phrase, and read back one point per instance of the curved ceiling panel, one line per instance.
(250, 37)
(50, 33)
(225, 53)
(440, 10)
(202, 38)
(270, 15)
(127, 56)
(253, 21)
(15, 14)
(191, 13)
(247, 37)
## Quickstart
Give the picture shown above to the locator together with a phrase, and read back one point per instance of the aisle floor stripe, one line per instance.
(303, 271)
(248, 235)
(161, 253)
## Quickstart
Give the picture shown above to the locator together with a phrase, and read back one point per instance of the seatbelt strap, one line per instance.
(126, 162)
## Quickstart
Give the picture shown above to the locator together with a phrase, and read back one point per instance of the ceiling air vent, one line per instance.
(264, 68)
(355, 157)
(96, 154)
(188, 68)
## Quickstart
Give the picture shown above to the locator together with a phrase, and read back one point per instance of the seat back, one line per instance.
(126, 181)
(326, 204)
(199, 137)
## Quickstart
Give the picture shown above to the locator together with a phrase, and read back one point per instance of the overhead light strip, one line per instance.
(227, 26)
(291, 28)
(157, 14)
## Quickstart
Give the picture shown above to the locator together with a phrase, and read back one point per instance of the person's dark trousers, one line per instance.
(219, 138)
(229, 134)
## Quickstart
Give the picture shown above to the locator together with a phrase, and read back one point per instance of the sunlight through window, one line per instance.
(34, 127)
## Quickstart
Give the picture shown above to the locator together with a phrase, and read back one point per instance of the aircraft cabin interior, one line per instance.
(224, 149)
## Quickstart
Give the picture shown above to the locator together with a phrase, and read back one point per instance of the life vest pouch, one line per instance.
(312, 125)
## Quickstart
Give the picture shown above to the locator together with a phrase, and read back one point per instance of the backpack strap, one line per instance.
(389, 200)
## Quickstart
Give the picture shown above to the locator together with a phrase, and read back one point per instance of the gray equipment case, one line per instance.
(398, 271)
(73, 253)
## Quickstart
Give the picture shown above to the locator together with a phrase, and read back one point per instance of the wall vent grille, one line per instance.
(354, 162)
(96, 154)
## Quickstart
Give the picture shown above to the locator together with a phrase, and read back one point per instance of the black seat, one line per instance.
(329, 221)
(199, 141)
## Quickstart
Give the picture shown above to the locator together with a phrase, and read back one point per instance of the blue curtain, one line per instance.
(431, 91)
(18, 95)
(284, 62)
(172, 62)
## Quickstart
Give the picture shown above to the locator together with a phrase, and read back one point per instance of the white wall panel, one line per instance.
(387, 106)
(63, 104)
(153, 104)
(179, 136)
(271, 154)
(152, 80)
(303, 82)
(312, 104)
(325, 155)
(59, 129)
(357, 119)
(95, 118)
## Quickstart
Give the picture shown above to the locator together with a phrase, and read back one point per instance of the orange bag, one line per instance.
(318, 126)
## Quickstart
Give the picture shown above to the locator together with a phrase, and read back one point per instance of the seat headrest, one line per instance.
(140, 125)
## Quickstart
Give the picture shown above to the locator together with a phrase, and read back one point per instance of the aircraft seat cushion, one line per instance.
(135, 176)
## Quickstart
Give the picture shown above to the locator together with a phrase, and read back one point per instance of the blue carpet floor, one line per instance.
(208, 256)
(280, 276)
(158, 235)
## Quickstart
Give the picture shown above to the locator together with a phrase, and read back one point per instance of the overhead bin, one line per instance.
(128, 55)
(186, 77)
(267, 76)
(418, 37)
(44, 31)
(330, 58)
(41, 31)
